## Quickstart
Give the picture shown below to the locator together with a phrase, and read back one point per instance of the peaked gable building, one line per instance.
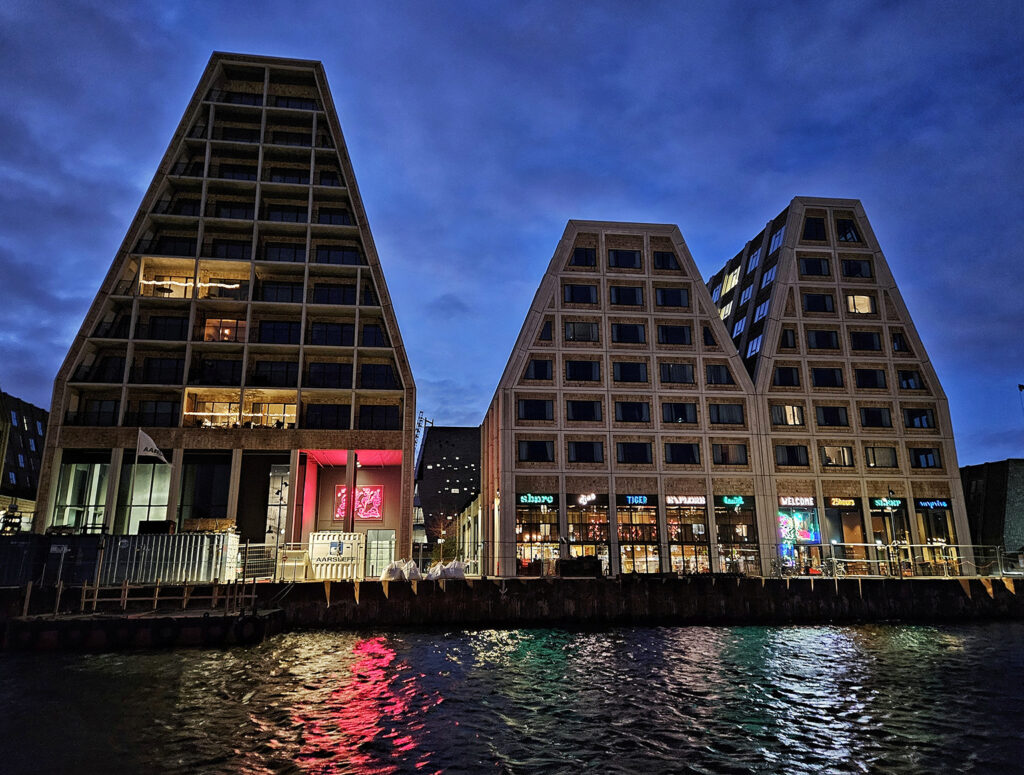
(246, 326)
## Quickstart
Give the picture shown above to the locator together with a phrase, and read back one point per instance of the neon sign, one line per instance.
(793, 500)
(732, 500)
(369, 504)
(584, 500)
(636, 500)
(686, 500)
(935, 504)
(531, 500)
(842, 501)
(886, 503)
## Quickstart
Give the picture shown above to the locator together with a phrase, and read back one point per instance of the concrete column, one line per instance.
(614, 564)
(235, 483)
(664, 561)
(113, 482)
(350, 484)
(174, 492)
(293, 498)
(43, 516)
(709, 508)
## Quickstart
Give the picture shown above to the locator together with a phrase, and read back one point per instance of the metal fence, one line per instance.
(188, 558)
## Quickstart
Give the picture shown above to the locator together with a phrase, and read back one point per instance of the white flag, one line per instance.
(148, 448)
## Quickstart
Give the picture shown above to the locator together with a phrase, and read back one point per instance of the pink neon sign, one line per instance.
(369, 502)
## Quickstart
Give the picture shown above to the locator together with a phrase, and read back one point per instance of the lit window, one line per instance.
(777, 239)
(767, 277)
(755, 346)
(837, 456)
(730, 280)
(754, 258)
(726, 311)
(738, 328)
(880, 457)
(747, 293)
(860, 305)
(716, 293)
(761, 310)
(787, 414)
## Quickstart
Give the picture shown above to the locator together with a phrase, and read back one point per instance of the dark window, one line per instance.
(583, 257)
(817, 267)
(633, 452)
(173, 329)
(873, 379)
(788, 339)
(586, 452)
(674, 335)
(240, 210)
(217, 372)
(332, 334)
(827, 377)
(673, 412)
(726, 414)
(583, 411)
(161, 414)
(295, 175)
(289, 293)
(856, 267)
(678, 373)
(326, 254)
(275, 373)
(535, 409)
(927, 457)
(99, 411)
(369, 295)
(664, 259)
(235, 249)
(579, 294)
(875, 417)
(626, 296)
(378, 375)
(537, 451)
(791, 455)
(286, 213)
(865, 340)
(173, 246)
(330, 375)
(814, 229)
(832, 416)
(786, 376)
(240, 134)
(284, 251)
(292, 138)
(682, 454)
(846, 230)
(672, 297)
(335, 216)
(329, 416)
(538, 368)
(279, 332)
(583, 371)
(729, 454)
(899, 343)
(295, 103)
(819, 302)
(330, 178)
(326, 293)
(237, 172)
(581, 332)
(624, 259)
(911, 380)
(384, 418)
(718, 374)
(632, 411)
(162, 371)
(918, 418)
(629, 372)
(545, 332)
(822, 340)
(628, 333)
(373, 335)
(186, 206)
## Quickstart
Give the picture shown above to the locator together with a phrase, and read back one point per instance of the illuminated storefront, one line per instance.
(588, 527)
(536, 533)
(889, 520)
(637, 517)
(686, 519)
(935, 528)
(736, 521)
(799, 534)
(844, 520)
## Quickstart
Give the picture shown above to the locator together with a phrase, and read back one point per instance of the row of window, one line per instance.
(239, 249)
(275, 213)
(838, 416)
(856, 268)
(24, 424)
(814, 230)
(624, 259)
(629, 411)
(828, 339)
(839, 456)
(627, 371)
(625, 296)
(866, 379)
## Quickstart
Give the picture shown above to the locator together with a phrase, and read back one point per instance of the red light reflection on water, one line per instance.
(354, 729)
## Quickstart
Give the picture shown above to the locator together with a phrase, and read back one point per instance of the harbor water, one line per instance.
(879, 698)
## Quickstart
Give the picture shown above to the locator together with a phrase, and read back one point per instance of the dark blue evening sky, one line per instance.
(477, 129)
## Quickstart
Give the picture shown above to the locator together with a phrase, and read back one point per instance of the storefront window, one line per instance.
(844, 521)
(686, 518)
(799, 534)
(889, 520)
(935, 527)
(637, 517)
(82, 491)
(148, 494)
(536, 533)
(736, 521)
(588, 527)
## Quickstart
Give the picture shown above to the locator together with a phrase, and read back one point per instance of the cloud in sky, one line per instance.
(477, 131)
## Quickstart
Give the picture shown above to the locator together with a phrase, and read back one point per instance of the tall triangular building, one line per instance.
(246, 327)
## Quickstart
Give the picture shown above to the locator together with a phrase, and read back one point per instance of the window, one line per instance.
(814, 229)
(832, 416)
(328, 416)
(718, 374)
(846, 230)
(583, 257)
(682, 454)
(819, 302)
(731, 280)
(755, 256)
(870, 379)
(628, 333)
(276, 373)
(925, 458)
(629, 372)
(726, 414)
(786, 376)
(822, 340)
(787, 340)
(754, 347)
(380, 376)
(729, 454)
(582, 371)
(332, 334)
(726, 311)
(330, 178)
(217, 372)
(545, 332)
(918, 418)
(761, 310)
(281, 292)
(586, 452)
(910, 380)
(767, 277)
(21, 460)
(880, 457)
(860, 304)
(856, 267)
(827, 377)
(632, 411)
(285, 175)
(738, 328)
(579, 294)
(583, 411)
(237, 249)
(380, 417)
(626, 296)
(814, 267)
(791, 455)
(329, 375)
(32, 444)
(334, 216)
(161, 371)
(674, 335)
(328, 254)
(165, 328)
(899, 343)
(624, 259)
(787, 414)
(373, 335)
(633, 452)
(672, 297)
(581, 332)
(841, 457)
(677, 373)
(12, 477)
(39, 428)
(538, 368)
(875, 417)
(865, 340)
(284, 251)
(535, 409)
(777, 239)
(716, 294)
(673, 412)
(330, 293)
(664, 259)
(242, 210)
(746, 294)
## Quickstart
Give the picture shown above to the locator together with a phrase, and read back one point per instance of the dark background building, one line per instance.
(21, 449)
(994, 495)
(447, 474)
